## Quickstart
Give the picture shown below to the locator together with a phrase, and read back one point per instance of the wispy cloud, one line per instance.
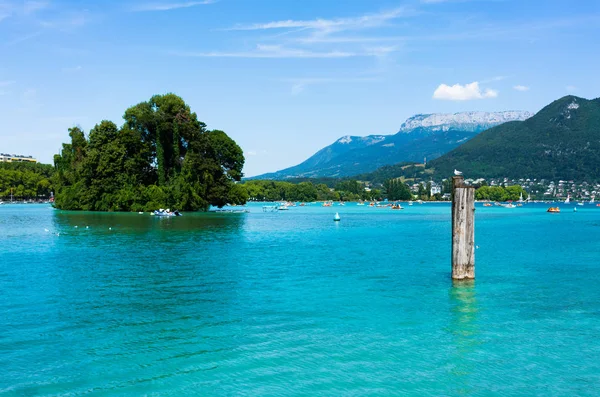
(458, 92)
(69, 20)
(521, 88)
(31, 7)
(167, 6)
(331, 25)
(10, 8)
(493, 79)
(278, 51)
(23, 38)
(73, 69)
(299, 85)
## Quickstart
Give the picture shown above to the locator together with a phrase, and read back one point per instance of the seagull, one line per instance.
(457, 172)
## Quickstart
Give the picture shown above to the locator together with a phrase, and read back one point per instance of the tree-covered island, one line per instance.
(161, 157)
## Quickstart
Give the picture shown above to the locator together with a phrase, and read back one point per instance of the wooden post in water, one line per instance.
(463, 230)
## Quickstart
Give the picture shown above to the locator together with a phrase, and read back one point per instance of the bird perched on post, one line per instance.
(457, 172)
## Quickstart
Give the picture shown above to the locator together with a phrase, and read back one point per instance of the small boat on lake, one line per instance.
(336, 217)
(487, 204)
(553, 209)
(167, 212)
(397, 206)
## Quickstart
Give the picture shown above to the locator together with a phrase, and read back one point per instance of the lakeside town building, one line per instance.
(16, 158)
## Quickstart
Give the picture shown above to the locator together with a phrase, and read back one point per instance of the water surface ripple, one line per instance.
(291, 303)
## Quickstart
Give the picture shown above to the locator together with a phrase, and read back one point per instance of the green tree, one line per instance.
(161, 157)
(397, 190)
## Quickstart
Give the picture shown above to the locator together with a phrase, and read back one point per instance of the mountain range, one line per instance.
(423, 136)
(562, 141)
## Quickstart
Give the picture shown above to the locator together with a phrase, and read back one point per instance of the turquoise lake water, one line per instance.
(292, 303)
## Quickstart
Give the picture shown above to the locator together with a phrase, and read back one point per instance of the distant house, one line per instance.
(16, 158)
(435, 189)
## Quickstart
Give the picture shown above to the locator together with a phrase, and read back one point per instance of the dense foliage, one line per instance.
(268, 190)
(395, 189)
(25, 180)
(499, 193)
(162, 156)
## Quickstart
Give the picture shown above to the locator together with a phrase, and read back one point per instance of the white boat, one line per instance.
(336, 217)
(282, 207)
(568, 200)
(592, 200)
(521, 198)
(360, 203)
(509, 205)
(580, 203)
(410, 203)
(166, 212)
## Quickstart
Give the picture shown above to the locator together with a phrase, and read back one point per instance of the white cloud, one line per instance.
(521, 88)
(330, 25)
(571, 88)
(251, 153)
(278, 51)
(170, 6)
(465, 92)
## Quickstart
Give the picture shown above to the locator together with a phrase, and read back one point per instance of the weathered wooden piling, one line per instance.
(463, 230)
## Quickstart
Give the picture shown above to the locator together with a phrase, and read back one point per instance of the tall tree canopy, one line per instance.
(162, 156)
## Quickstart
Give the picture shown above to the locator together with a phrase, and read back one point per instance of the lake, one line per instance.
(292, 303)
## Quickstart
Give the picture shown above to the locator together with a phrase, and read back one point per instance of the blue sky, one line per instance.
(285, 78)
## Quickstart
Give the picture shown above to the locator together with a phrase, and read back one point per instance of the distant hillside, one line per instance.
(562, 141)
(421, 136)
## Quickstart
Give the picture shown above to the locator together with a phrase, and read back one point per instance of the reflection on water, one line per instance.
(465, 334)
(145, 222)
(133, 274)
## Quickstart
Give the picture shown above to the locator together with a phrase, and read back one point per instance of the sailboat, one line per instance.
(521, 198)
(592, 200)
(568, 200)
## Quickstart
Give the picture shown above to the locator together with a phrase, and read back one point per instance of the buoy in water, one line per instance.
(336, 217)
